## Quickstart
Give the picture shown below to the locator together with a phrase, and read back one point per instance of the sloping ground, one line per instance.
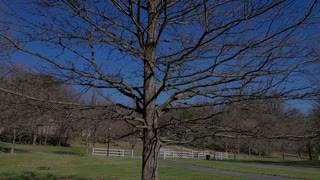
(48, 166)
(224, 172)
(291, 168)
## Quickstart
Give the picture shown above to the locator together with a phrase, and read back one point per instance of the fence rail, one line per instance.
(112, 152)
(200, 155)
(220, 156)
(164, 153)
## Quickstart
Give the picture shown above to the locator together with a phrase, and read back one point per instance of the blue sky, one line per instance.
(115, 61)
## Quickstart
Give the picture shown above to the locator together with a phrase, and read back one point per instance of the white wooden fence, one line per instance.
(112, 152)
(199, 155)
(220, 156)
(164, 153)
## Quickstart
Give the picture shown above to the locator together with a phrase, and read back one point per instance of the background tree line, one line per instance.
(40, 109)
(254, 128)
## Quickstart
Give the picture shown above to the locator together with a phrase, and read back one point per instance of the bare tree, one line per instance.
(23, 116)
(166, 54)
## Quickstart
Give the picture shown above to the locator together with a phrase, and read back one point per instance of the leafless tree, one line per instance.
(166, 54)
(20, 114)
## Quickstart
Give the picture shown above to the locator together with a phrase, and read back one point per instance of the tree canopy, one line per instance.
(165, 54)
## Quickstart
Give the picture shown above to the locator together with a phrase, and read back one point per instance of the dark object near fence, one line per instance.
(207, 157)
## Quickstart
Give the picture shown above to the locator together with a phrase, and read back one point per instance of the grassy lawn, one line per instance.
(72, 150)
(236, 166)
(292, 163)
(50, 162)
(75, 149)
(53, 166)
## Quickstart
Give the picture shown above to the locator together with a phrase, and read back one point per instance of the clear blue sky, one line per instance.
(116, 61)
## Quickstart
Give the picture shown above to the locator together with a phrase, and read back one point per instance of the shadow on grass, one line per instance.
(34, 176)
(303, 163)
(68, 153)
(7, 150)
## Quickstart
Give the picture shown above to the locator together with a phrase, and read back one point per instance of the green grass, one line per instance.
(236, 166)
(53, 166)
(69, 163)
(172, 173)
(66, 165)
(292, 163)
(74, 149)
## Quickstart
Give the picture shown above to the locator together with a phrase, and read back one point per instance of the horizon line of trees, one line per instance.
(255, 127)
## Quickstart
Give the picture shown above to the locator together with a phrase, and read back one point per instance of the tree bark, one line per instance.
(34, 140)
(151, 138)
(259, 153)
(309, 150)
(151, 147)
(13, 143)
(283, 151)
(108, 148)
(87, 142)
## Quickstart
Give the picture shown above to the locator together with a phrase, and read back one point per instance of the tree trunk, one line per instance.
(309, 150)
(151, 147)
(87, 143)
(283, 151)
(58, 142)
(108, 148)
(235, 147)
(46, 135)
(151, 136)
(45, 139)
(259, 153)
(34, 140)
(13, 143)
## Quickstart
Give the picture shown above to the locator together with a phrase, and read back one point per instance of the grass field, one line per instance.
(50, 162)
(53, 166)
(244, 166)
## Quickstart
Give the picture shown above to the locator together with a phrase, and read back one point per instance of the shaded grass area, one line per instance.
(28, 175)
(236, 166)
(53, 166)
(22, 148)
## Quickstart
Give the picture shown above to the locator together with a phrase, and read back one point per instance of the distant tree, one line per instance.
(24, 103)
(312, 126)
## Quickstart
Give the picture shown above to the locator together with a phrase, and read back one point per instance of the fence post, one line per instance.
(131, 153)
(93, 151)
(122, 153)
(198, 156)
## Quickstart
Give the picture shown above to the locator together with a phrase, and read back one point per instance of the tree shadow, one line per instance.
(29, 175)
